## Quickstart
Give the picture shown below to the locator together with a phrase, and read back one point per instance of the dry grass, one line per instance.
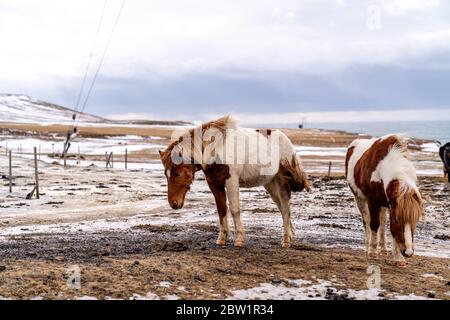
(298, 136)
(91, 130)
(214, 272)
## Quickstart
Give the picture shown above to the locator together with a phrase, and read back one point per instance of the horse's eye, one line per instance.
(175, 174)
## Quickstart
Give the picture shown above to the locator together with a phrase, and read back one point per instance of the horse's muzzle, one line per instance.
(176, 205)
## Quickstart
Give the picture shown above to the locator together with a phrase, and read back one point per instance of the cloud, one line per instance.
(236, 55)
(342, 116)
(133, 116)
(169, 40)
(401, 7)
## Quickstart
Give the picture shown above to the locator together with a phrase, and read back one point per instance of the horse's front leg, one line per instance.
(232, 189)
(221, 203)
(223, 222)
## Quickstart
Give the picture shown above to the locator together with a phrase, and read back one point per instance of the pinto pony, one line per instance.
(230, 158)
(381, 177)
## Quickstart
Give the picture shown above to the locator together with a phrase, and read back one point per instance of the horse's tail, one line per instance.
(294, 174)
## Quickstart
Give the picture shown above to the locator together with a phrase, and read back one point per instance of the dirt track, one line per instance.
(120, 264)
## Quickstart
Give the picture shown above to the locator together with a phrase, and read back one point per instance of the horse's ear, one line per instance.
(160, 153)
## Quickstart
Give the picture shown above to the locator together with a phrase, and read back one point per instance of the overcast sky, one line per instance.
(263, 58)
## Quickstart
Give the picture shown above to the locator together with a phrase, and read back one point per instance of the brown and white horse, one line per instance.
(230, 158)
(381, 177)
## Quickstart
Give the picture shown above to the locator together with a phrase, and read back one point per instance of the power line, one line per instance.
(75, 120)
(116, 22)
(80, 93)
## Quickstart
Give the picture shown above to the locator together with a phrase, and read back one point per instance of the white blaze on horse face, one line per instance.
(168, 173)
(408, 240)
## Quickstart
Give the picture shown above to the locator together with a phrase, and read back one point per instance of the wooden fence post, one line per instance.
(110, 160)
(329, 169)
(36, 175)
(126, 158)
(10, 172)
(65, 155)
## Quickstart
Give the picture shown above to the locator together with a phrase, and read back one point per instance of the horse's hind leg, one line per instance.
(364, 210)
(232, 189)
(281, 197)
(382, 241)
(374, 227)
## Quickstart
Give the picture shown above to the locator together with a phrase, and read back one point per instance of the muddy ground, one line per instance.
(116, 227)
(119, 265)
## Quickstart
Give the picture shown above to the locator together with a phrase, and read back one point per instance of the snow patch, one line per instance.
(432, 275)
(430, 147)
(303, 290)
(165, 284)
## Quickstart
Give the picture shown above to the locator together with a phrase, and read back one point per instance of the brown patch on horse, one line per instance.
(216, 175)
(347, 158)
(374, 190)
(179, 180)
(181, 175)
(368, 163)
(265, 132)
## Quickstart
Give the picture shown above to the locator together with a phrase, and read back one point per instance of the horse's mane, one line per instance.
(409, 203)
(409, 206)
(401, 143)
(222, 124)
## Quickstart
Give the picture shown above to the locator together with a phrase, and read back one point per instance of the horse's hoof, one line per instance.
(221, 242)
(239, 244)
(286, 245)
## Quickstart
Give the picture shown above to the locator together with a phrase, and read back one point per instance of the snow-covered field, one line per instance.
(21, 108)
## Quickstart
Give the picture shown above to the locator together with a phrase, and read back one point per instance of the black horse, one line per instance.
(444, 152)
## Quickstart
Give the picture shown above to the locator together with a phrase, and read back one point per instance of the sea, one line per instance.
(430, 130)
